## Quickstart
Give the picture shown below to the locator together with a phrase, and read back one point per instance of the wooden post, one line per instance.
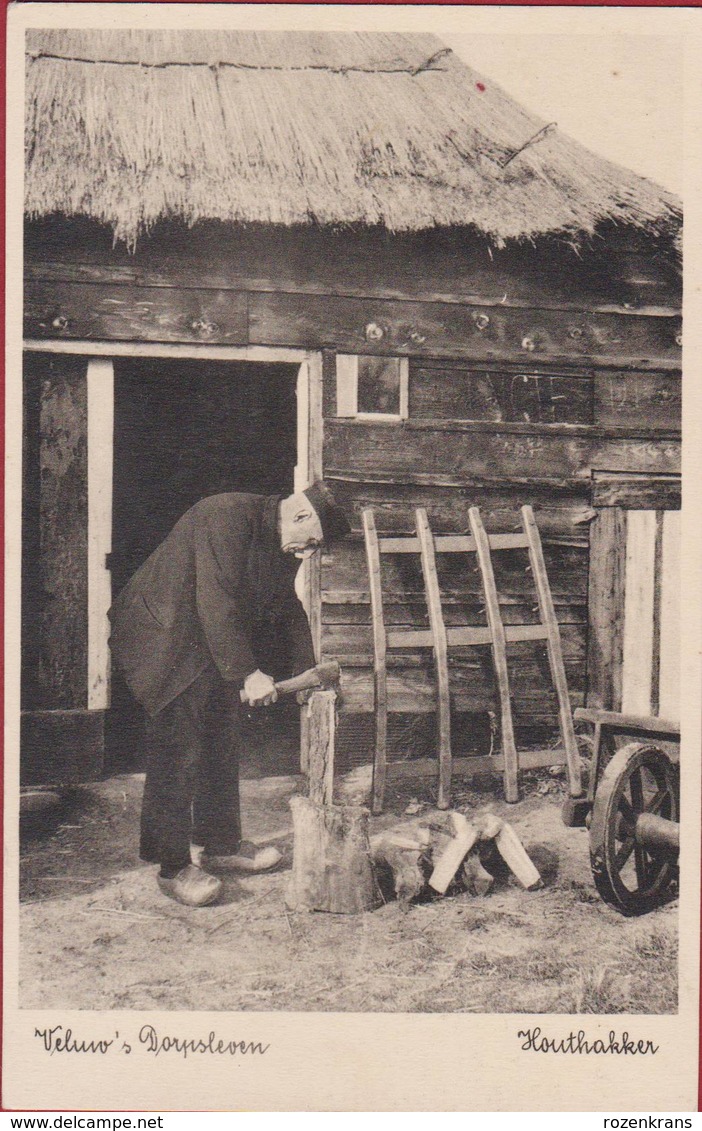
(605, 637)
(332, 869)
(555, 652)
(499, 654)
(379, 661)
(438, 634)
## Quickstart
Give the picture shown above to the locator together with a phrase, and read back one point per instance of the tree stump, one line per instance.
(332, 869)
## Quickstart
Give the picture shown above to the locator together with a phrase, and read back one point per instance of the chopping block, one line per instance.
(332, 869)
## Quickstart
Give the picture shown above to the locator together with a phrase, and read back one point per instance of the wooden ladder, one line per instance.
(440, 639)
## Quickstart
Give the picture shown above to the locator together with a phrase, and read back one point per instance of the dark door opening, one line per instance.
(184, 430)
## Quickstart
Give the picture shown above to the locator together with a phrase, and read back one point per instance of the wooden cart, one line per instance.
(632, 809)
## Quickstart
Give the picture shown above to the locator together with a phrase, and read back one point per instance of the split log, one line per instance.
(332, 869)
(454, 854)
(321, 734)
(404, 861)
(515, 856)
(477, 879)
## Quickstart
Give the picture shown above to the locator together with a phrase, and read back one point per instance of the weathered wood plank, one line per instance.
(402, 449)
(526, 395)
(394, 506)
(555, 654)
(61, 747)
(633, 724)
(441, 330)
(440, 649)
(638, 612)
(62, 678)
(636, 491)
(651, 400)
(657, 611)
(429, 265)
(150, 314)
(344, 569)
(670, 581)
(352, 608)
(452, 544)
(499, 655)
(355, 642)
(412, 690)
(606, 609)
(380, 687)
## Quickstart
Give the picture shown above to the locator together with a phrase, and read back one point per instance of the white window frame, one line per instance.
(347, 390)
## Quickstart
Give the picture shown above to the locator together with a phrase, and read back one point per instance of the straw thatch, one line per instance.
(133, 127)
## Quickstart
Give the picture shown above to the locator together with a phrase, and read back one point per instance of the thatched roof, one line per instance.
(132, 127)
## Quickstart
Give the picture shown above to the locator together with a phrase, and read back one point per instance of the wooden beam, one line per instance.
(555, 654)
(640, 583)
(87, 310)
(243, 273)
(607, 579)
(657, 610)
(440, 648)
(441, 330)
(195, 350)
(315, 471)
(452, 544)
(63, 458)
(670, 580)
(476, 766)
(396, 449)
(634, 724)
(100, 395)
(379, 661)
(499, 655)
(636, 490)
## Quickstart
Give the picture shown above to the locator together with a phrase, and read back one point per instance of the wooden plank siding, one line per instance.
(127, 313)
(427, 266)
(491, 450)
(452, 330)
(510, 402)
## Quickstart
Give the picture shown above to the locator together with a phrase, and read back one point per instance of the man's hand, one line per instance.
(259, 689)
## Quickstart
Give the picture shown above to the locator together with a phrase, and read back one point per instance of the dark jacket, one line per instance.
(216, 589)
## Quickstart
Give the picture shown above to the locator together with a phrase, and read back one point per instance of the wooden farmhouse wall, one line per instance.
(520, 379)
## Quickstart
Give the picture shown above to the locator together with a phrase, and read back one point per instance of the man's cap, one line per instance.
(335, 525)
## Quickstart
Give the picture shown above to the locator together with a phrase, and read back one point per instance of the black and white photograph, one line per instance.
(349, 642)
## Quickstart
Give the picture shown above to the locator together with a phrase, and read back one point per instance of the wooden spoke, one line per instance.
(624, 853)
(656, 802)
(627, 812)
(641, 866)
(636, 787)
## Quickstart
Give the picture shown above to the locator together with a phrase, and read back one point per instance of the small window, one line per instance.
(371, 387)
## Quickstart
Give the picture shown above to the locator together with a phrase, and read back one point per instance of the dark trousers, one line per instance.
(191, 793)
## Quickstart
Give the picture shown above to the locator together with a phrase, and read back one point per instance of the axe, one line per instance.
(322, 676)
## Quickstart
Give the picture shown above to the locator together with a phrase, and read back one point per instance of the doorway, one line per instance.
(185, 429)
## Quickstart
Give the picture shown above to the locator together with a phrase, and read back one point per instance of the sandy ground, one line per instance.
(97, 933)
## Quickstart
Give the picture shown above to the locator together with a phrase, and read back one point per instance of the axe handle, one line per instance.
(323, 675)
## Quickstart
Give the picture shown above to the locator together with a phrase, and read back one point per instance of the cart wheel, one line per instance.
(639, 779)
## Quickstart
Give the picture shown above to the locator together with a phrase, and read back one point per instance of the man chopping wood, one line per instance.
(189, 631)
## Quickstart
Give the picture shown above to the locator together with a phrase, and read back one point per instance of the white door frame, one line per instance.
(99, 356)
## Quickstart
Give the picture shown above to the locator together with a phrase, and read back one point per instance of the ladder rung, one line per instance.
(515, 632)
(460, 637)
(451, 543)
(410, 638)
(465, 636)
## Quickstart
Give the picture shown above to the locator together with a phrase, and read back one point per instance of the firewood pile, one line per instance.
(428, 857)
